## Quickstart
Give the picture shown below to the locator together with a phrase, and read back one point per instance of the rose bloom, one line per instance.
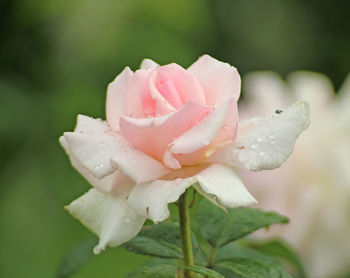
(313, 186)
(169, 128)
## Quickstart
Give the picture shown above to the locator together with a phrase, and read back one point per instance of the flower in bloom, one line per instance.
(168, 128)
(313, 186)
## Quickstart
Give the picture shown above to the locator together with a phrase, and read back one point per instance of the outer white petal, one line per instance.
(105, 184)
(265, 143)
(151, 200)
(101, 151)
(107, 216)
(218, 183)
(148, 64)
(221, 185)
(199, 136)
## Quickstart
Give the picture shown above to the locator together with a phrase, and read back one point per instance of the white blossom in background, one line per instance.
(313, 186)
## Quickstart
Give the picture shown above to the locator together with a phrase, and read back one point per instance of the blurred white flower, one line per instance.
(313, 186)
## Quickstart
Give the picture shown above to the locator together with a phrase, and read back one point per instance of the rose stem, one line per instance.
(185, 231)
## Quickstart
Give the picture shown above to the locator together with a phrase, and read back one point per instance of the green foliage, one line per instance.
(219, 232)
(279, 249)
(251, 268)
(162, 240)
(235, 250)
(158, 271)
(219, 229)
(205, 271)
(76, 258)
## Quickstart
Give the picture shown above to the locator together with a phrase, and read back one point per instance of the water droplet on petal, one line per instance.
(272, 136)
(126, 219)
(99, 166)
(260, 139)
(254, 146)
(262, 153)
(101, 144)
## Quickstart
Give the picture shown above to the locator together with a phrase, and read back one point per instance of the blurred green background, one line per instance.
(56, 59)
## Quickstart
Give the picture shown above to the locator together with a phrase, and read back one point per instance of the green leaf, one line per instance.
(219, 229)
(210, 273)
(248, 268)
(75, 258)
(280, 249)
(158, 271)
(234, 250)
(162, 240)
(163, 261)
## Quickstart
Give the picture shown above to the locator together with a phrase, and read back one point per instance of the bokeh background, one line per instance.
(56, 59)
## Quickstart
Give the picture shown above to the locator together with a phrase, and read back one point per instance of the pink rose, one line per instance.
(156, 109)
(169, 128)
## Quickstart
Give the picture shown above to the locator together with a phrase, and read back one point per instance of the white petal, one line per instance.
(218, 183)
(107, 216)
(105, 184)
(265, 143)
(101, 151)
(151, 199)
(222, 186)
(148, 64)
(200, 135)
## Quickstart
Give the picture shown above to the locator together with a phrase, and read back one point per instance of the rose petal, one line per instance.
(151, 199)
(108, 216)
(172, 86)
(139, 102)
(148, 64)
(153, 135)
(220, 81)
(101, 152)
(222, 186)
(104, 185)
(265, 143)
(116, 98)
(204, 133)
(218, 183)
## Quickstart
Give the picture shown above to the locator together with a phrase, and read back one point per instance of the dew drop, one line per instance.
(100, 145)
(262, 153)
(254, 146)
(272, 136)
(126, 219)
(260, 139)
(99, 166)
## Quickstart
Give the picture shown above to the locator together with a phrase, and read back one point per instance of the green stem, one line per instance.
(185, 231)
(211, 258)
